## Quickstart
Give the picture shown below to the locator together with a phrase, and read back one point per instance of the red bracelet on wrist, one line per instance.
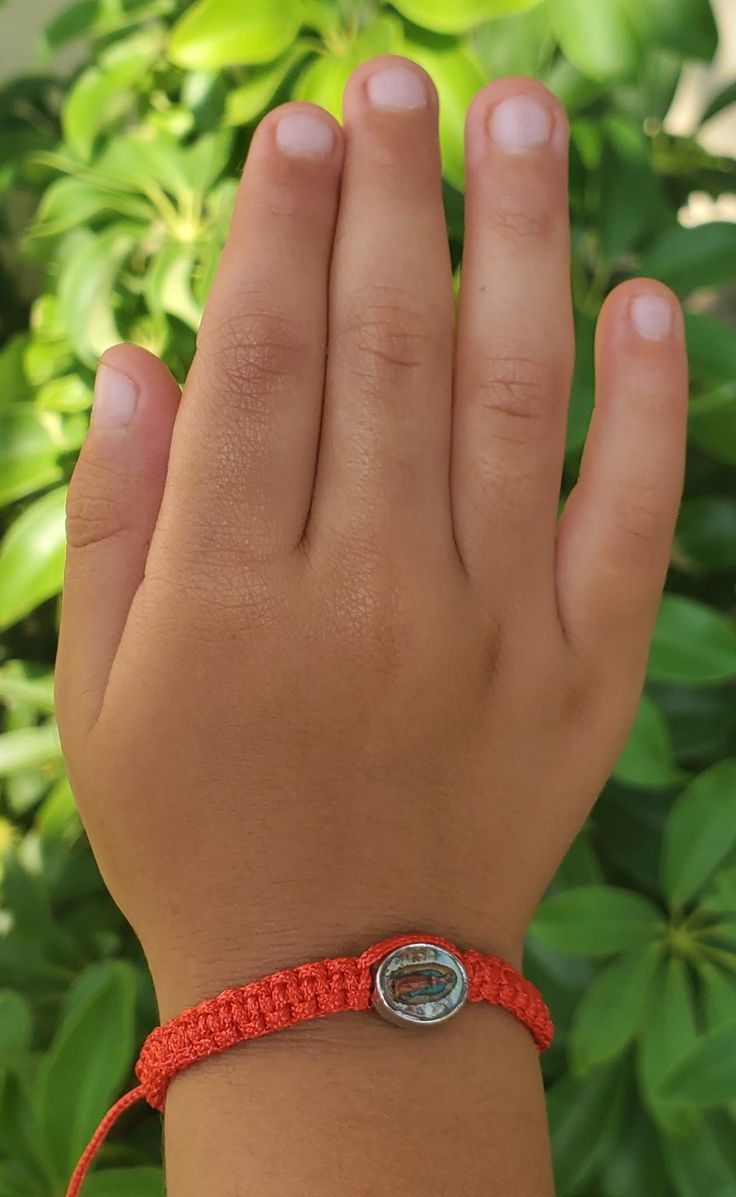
(408, 979)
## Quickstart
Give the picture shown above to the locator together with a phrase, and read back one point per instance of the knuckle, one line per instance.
(514, 224)
(94, 512)
(639, 512)
(386, 337)
(255, 354)
(515, 391)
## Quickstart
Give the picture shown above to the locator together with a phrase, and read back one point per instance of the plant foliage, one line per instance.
(128, 171)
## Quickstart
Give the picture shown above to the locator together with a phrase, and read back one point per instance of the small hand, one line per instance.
(329, 668)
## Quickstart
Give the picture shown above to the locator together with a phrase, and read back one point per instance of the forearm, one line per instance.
(350, 1104)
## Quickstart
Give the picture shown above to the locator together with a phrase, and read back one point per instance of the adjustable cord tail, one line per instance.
(98, 1138)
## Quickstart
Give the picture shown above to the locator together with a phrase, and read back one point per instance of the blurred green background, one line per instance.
(119, 155)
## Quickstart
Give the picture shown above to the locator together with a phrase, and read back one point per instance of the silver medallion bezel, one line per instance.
(421, 1015)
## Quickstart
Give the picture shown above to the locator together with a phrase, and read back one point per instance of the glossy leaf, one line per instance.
(687, 26)
(29, 453)
(89, 1058)
(32, 557)
(719, 994)
(600, 39)
(16, 1026)
(612, 1009)
(584, 1114)
(29, 748)
(216, 33)
(668, 1030)
(700, 832)
(648, 758)
(706, 534)
(596, 920)
(457, 75)
(688, 258)
(125, 1182)
(102, 94)
(627, 170)
(456, 16)
(711, 348)
(696, 1165)
(712, 423)
(705, 1075)
(722, 99)
(323, 81)
(86, 290)
(692, 643)
(246, 102)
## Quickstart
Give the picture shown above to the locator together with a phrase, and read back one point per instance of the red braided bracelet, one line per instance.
(409, 979)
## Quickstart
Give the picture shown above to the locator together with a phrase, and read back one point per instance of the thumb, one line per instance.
(114, 498)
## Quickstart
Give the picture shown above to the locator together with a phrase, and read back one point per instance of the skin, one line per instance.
(330, 668)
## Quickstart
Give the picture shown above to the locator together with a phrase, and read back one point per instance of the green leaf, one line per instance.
(688, 258)
(583, 386)
(246, 103)
(702, 720)
(69, 203)
(32, 557)
(16, 1026)
(600, 39)
(584, 1113)
(517, 45)
(103, 94)
(75, 20)
(635, 1164)
(29, 452)
(29, 748)
(456, 16)
(13, 381)
(711, 348)
(612, 1008)
(706, 534)
(457, 75)
(19, 1132)
(687, 26)
(704, 1075)
(67, 394)
(86, 286)
(700, 832)
(323, 81)
(596, 920)
(669, 1028)
(125, 1182)
(169, 284)
(719, 994)
(648, 759)
(692, 643)
(696, 1165)
(90, 1056)
(18, 684)
(722, 99)
(626, 170)
(217, 33)
(712, 423)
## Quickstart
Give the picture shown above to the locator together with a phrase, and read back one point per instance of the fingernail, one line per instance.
(302, 135)
(651, 316)
(520, 124)
(397, 87)
(115, 398)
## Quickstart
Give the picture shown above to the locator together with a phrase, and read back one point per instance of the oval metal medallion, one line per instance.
(419, 984)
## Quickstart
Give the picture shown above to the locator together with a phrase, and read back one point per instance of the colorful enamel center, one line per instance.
(419, 984)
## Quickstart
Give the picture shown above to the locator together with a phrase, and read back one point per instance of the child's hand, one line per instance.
(338, 674)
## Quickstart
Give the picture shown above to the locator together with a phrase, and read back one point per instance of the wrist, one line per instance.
(184, 977)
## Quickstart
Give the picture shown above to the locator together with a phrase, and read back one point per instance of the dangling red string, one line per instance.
(98, 1138)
